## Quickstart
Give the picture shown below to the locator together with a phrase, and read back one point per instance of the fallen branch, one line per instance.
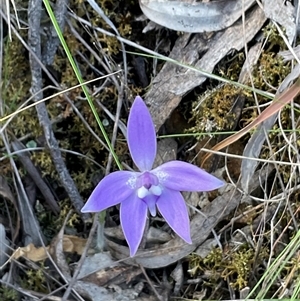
(34, 41)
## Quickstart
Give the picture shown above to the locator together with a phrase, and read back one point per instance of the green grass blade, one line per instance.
(80, 80)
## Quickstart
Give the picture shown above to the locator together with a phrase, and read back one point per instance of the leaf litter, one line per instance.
(232, 229)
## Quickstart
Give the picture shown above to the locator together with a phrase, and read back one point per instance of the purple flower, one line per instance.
(149, 188)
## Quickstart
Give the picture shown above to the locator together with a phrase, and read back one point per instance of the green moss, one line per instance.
(238, 268)
(211, 112)
(273, 38)
(8, 294)
(73, 220)
(35, 280)
(15, 88)
(234, 266)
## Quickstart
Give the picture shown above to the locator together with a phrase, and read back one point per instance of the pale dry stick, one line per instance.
(274, 222)
(77, 112)
(121, 124)
(233, 183)
(18, 183)
(280, 235)
(286, 42)
(115, 128)
(94, 53)
(265, 81)
(23, 107)
(291, 49)
(278, 103)
(158, 296)
(6, 3)
(17, 220)
(97, 90)
(297, 13)
(166, 58)
(113, 27)
(29, 149)
(88, 63)
(121, 94)
(60, 11)
(247, 59)
(288, 45)
(294, 135)
(36, 176)
(19, 289)
(52, 41)
(243, 157)
(34, 40)
(236, 218)
(5, 6)
(293, 173)
(82, 258)
(212, 230)
(251, 108)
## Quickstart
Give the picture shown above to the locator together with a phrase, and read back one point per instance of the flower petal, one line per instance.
(172, 207)
(111, 190)
(150, 201)
(133, 213)
(141, 135)
(182, 176)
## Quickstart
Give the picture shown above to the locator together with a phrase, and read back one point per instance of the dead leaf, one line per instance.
(195, 16)
(30, 252)
(115, 275)
(71, 244)
(173, 82)
(283, 13)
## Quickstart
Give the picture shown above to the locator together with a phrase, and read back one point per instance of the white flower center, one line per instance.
(142, 192)
(156, 190)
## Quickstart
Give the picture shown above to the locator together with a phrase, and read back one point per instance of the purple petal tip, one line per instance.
(141, 135)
